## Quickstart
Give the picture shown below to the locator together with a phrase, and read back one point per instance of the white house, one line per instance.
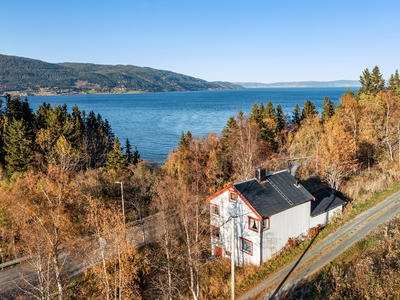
(269, 209)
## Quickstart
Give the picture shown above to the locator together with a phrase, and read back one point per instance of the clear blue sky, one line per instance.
(249, 40)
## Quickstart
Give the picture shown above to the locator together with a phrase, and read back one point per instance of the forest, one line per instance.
(63, 176)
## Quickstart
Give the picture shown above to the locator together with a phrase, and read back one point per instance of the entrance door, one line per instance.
(218, 252)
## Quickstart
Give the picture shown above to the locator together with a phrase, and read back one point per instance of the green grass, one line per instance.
(273, 265)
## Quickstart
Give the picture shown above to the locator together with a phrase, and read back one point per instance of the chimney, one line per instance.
(260, 174)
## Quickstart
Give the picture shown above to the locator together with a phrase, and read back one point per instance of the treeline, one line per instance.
(70, 187)
(53, 136)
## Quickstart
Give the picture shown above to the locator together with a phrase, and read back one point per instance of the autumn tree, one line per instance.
(307, 140)
(245, 147)
(351, 113)
(114, 265)
(139, 188)
(336, 158)
(43, 205)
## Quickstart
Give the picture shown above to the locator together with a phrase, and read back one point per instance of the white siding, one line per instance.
(240, 209)
(284, 225)
(323, 218)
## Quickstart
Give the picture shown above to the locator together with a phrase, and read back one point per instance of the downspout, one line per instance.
(261, 244)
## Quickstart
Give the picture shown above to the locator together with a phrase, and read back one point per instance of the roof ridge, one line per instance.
(277, 172)
(244, 181)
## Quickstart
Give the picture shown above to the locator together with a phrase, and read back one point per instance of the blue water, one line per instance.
(154, 122)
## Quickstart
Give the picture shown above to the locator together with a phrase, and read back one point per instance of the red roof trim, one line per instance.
(219, 193)
(232, 188)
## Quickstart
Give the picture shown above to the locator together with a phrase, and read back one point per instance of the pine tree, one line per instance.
(136, 156)
(18, 146)
(78, 124)
(128, 151)
(226, 132)
(269, 111)
(182, 144)
(366, 83)
(255, 113)
(296, 115)
(116, 159)
(378, 83)
(309, 110)
(394, 83)
(328, 109)
(280, 118)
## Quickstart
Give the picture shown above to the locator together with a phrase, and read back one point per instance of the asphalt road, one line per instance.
(326, 251)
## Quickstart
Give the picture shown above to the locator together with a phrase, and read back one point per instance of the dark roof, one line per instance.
(277, 193)
(325, 201)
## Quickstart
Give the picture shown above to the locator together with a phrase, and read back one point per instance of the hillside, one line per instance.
(336, 83)
(37, 77)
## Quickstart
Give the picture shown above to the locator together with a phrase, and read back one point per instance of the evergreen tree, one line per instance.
(27, 113)
(128, 151)
(366, 83)
(350, 92)
(116, 159)
(136, 156)
(328, 108)
(269, 111)
(261, 109)
(78, 124)
(226, 132)
(309, 110)
(394, 83)
(255, 113)
(98, 142)
(2, 131)
(280, 118)
(378, 83)
(18, 146)
(296, 115)
(13, 107)
(182, 144)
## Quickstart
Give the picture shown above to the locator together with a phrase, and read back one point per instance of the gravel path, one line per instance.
(327, 250)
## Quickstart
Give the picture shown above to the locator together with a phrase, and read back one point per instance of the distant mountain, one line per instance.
(37, 77)
(336, 83)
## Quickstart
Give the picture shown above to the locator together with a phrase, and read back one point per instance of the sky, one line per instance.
(238, 41)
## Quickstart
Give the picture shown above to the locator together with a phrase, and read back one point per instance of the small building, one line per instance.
(269, 209)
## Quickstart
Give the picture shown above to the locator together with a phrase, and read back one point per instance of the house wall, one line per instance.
(240, 209)
(323, 218)
(284, 225)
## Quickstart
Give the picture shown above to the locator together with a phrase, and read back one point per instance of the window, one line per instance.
(265, 224)
(253, 224)
(215, 210)
(233, 197)
(246, 246)
(215, 232)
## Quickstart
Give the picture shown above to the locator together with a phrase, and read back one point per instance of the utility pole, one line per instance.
(233, 258)
(123, 204)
